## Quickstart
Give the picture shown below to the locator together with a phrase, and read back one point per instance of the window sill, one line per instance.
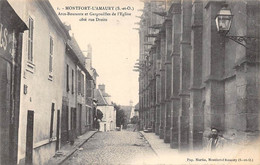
(30, 67)
(53, 139)
(44, 142)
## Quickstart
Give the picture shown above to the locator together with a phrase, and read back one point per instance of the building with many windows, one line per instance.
(104, 104)
(77, 116)
(42, 83)
(47, 83)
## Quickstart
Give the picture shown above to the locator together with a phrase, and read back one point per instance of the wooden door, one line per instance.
(29, 138)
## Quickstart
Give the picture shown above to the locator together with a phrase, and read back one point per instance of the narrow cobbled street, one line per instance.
(115, 147)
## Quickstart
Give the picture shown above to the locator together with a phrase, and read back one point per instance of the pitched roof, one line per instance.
(52, 16)
(72, 46)
(105, 94)
(100, 98)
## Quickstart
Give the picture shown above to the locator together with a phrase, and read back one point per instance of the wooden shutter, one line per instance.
(72, 81)
(67, 78)
(82, 84)
(79, 82)
(51, 55)
(30, 39)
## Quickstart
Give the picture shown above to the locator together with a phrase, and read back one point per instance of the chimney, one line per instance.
(68, 28)
(89, 56)
(102, 87)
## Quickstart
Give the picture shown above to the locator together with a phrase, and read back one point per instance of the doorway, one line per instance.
(29, 138)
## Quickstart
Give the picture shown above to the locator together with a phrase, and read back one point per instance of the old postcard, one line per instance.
(130, 82)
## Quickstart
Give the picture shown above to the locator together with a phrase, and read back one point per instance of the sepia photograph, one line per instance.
(130, 82)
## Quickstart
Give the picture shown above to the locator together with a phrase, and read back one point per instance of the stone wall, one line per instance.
(214, 81)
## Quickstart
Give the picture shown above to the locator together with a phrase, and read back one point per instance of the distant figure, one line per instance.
(137, 126)
(98, 124)
(215, 140)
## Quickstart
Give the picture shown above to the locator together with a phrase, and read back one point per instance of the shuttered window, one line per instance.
(30, 40)
(89, 88)
(51, 56)
(79, 82)
(72, 81)
(89, 116)
(67, 78)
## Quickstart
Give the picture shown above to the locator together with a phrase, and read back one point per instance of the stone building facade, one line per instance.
(77, 112)
(193, 79)
(44, 46)
(105, 105)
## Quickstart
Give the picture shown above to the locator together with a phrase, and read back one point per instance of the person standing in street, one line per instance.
(215, 140)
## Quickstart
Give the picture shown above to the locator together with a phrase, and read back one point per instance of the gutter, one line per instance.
(49, 11)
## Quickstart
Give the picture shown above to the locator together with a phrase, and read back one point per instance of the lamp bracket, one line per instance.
(245, 41)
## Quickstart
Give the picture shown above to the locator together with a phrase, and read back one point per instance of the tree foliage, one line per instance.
(99, 115)
(120, 116)
(134, 120)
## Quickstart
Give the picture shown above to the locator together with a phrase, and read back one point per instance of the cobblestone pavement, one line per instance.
(115, 147)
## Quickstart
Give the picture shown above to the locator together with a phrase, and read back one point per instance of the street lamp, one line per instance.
(223, 22)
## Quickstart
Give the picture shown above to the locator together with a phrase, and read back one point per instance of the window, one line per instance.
(67, 78)
(82, 84)
(30, 40)
(73, 118)
(89, 88)
(89, 115)
(79, 82)
(72, 81)
(51, 56)
(81, 87)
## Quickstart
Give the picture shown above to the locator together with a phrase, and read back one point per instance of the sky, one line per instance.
(115, 44)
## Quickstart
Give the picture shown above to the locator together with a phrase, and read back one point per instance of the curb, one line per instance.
(149, 144)
(75, 149)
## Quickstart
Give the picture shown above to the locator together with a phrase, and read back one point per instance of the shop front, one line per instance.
(11, 29)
